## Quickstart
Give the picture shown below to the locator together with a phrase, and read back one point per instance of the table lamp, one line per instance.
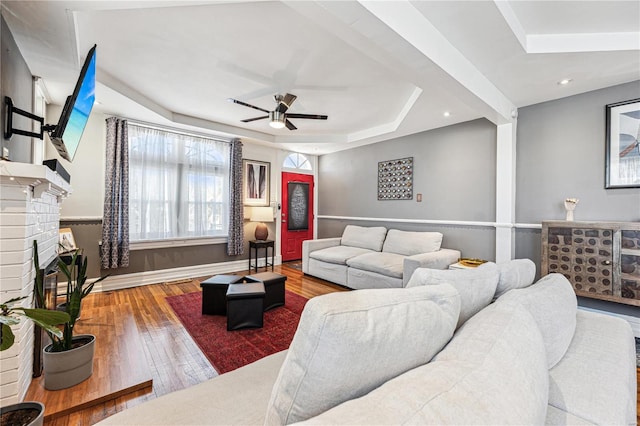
(261, 215)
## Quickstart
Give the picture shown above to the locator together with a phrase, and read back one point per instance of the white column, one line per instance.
(505, 191)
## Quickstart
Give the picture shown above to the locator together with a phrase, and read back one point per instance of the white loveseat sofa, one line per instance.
(367, 357)
(371, 257)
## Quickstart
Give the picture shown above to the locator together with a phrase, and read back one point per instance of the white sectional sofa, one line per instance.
(436, 352)
(371, 257)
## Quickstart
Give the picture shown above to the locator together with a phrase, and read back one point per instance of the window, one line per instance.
(296, 161)
(178, 185)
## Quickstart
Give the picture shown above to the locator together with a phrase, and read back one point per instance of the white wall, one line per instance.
(87, 168)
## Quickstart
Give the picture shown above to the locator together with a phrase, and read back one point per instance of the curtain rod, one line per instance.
(175, 130)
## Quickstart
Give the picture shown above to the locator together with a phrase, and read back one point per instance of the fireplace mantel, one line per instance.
(40, 177)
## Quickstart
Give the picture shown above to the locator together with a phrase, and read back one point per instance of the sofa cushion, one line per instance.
(370, 238)
(492, 372)
(517, 273)
(338, 255)
(552, 303)
(389, 264)
(410, 243)
(348, 344)
(476, 286)
(328, 271)
(596, 379)
(361, 279)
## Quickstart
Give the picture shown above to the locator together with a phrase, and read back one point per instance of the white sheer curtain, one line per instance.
(179, 185)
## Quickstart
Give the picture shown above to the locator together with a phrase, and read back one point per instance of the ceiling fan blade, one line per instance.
(248, 120)
(289, 125)
(235, 101)
(309, 116)
(285, 103)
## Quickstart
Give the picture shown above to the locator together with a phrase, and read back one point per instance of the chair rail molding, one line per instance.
(435, 222)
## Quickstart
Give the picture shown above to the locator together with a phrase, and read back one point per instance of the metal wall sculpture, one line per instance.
(395, 179)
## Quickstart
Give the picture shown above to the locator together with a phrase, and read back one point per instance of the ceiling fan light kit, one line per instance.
(278, 118)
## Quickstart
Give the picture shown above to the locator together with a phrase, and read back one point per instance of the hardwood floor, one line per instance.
(119, 368)
(174, 359)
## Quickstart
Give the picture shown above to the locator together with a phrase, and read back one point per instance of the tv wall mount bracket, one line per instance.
(9, 130)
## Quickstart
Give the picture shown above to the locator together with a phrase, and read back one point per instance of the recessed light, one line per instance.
(447, 114)
(565, 81)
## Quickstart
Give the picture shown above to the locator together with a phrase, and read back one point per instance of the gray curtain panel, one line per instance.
(115, 224)
(235, 242)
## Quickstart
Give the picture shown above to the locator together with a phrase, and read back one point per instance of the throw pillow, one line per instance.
(348, 344)
(370, 238)
(410, 243)
(553, 304)
(476, 286)
(517, 273)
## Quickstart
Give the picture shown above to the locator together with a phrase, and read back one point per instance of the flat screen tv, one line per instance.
(75, 114)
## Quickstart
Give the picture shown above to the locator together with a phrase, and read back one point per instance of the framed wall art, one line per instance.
(256, 182)
(395, 179)
(622, 158)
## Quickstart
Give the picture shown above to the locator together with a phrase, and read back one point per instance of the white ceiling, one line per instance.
(378, 69)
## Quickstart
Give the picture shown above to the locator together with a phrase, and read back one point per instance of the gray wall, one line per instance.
(454, 169)
(17, 83)
(561, 154)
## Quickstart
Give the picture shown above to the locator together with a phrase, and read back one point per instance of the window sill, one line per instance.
(182, 242)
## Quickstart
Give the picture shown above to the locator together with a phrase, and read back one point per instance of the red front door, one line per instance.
(297, 214)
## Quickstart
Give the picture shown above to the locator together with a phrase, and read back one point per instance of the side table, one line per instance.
(255, 246)
(460, 266)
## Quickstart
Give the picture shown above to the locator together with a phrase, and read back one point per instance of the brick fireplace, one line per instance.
(30, 199)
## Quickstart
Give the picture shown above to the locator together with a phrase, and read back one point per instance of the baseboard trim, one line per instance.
(118, 282)
(634, 322)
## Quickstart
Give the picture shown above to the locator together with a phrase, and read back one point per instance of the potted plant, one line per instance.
(68, 360)
(27, 413)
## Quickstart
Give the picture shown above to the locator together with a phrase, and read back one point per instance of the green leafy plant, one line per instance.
(77, 289)
(11, 315)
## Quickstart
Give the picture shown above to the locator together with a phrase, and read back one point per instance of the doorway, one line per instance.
(297, 214)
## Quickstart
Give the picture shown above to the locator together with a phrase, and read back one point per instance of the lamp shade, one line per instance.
(261, 214)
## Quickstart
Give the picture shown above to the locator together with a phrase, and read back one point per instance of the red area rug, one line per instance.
(228, 350)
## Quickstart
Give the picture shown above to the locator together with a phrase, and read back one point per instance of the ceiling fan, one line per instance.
(279, 118)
